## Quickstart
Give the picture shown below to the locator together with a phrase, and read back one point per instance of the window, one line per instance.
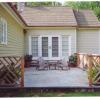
(65, 45)
(35, 46)
(3, 31)
(44, 46)
(55, 46)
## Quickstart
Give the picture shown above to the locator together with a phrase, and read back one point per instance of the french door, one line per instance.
(46, 46)
(50, 47)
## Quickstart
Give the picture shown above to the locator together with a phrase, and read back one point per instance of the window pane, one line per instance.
(44, 46)
(64, 45)
(35, 46)
(55, 46)
(5, 32)
(1, 30)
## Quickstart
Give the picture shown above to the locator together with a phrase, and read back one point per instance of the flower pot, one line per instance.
(72, 64)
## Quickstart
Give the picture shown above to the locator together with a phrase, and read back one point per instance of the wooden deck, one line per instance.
(75, 77)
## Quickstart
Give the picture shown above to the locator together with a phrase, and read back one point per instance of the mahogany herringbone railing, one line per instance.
(12, 71)
(91, 62)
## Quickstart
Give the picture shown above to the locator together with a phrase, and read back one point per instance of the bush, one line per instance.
(73, 59)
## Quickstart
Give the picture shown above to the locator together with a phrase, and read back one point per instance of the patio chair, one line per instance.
(63, 64)
(43, 64)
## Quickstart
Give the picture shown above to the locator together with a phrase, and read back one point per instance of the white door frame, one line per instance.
(50, 47)
(49, 44)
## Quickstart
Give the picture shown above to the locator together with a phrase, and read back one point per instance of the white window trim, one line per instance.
(30, 46)
(69, 45)
(4, 42)
(49, 44)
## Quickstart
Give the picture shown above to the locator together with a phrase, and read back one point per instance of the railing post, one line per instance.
(90, 70)
(22, 73)
(78, 60)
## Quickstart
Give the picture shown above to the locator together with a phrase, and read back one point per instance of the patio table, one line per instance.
(52, 63)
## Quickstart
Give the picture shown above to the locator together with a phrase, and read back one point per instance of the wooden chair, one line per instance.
(34, 63)
(63, 64)
(43, 64)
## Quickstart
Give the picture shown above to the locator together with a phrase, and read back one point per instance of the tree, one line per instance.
(31, 4)
(93, 5)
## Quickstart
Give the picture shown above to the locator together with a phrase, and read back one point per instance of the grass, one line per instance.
(51, 94)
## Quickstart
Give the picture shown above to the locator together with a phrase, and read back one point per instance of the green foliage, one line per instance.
(93, 5)
(50, 94)
(43, 4)
(73, 59)
(93, 72)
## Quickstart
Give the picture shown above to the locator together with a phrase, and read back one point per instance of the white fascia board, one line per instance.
(13, 14)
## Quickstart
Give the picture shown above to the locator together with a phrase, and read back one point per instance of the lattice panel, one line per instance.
(10, 71)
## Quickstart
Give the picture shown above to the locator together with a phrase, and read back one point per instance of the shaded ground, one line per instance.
(50, 94)
(75, 77)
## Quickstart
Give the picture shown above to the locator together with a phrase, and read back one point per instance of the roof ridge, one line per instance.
(75, 16)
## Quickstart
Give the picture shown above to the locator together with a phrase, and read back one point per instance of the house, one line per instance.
(49, 32)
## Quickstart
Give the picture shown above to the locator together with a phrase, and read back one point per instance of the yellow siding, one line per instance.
(15, 37)
(88, 41)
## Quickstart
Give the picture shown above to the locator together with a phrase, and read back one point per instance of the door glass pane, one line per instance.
(65, 45)
(44, 46)
(35, 46)
(54, 46)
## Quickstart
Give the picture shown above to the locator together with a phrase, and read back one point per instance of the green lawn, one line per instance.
(48, 94)
(57, 94)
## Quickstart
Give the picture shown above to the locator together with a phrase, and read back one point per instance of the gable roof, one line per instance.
(58, 16)
(49, 16)
(86, 18)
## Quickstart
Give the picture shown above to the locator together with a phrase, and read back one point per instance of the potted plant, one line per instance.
(28, 59)
(72, 61)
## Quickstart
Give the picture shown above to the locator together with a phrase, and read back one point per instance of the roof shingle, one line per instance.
(86, 18)
(58, 16)
(49, 16)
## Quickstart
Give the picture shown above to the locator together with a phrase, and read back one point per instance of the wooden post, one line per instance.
(90, 70)
(83, 60)
(22, 73)
(78, 59)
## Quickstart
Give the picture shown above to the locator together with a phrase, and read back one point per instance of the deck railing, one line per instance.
(90, 62)
(12, 70)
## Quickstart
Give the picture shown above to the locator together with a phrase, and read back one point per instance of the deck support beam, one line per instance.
(90, 70)
(22, 73)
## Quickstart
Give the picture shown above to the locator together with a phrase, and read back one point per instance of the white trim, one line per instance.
(75, 41)
(99, 41)
(39, 46)
(4, 38)
(49, 47)
(69, 45)
(13, 14)
(60, 47)
(30, 46)
(46, 58)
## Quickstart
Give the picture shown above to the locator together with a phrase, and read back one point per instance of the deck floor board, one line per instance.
(75, 77)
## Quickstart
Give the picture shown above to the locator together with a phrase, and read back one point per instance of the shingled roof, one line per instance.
(86, 18)
(59, 16)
